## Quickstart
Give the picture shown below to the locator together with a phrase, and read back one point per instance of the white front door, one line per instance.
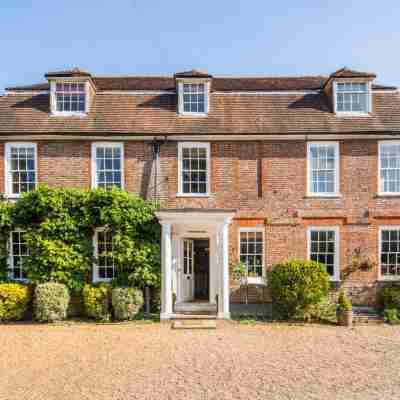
(188, 270)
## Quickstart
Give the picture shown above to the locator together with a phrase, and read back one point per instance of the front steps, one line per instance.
(194, 315)
(366, 315)
(198, 308)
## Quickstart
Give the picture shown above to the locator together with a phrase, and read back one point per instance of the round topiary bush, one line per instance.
(126, 303)
(97, 299)
(51, 302)
(296, 285)
(389, 297)
(14, 301)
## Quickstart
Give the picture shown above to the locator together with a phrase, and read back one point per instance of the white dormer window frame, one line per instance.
(53, 97)
(181, 102)
(349, 113)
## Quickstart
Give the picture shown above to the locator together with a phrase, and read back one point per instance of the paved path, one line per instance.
(138, 361)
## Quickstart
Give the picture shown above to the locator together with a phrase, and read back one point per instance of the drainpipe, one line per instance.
(156, 149)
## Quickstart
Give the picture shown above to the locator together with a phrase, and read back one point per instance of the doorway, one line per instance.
(195, 277)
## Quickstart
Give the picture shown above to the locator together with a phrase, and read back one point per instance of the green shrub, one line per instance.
(389, 297)
(97, 300)
(155, 299)
(296, 285)
(59, 225)
(323, 311)
(344, 303)
(126, 303)
(391, 316)
(51, 302)
(14, 301)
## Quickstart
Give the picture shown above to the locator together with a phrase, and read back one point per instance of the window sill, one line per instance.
(68, 114)
(191, 115)
(388, 195)
(353, 114)
(256, 280)
(12, 196)
(323, 196)
(388, 278)
(193, 195)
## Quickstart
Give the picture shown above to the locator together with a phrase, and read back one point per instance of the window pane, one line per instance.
(21, 174)
(108, 167)
(252, 252)
(390, 252)
(194, 170)
(323, 248)
(322, 168)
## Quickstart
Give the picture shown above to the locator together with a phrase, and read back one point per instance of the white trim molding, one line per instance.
(259, 280)
(183, 81)
(95, 266)
(380, 230)
(324, 228)
(353, 113)
(96, 145)
(191, 145)
(336, 192)
(7, 182)
(382, 143)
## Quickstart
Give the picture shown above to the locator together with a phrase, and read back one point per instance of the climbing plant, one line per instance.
(59, 225)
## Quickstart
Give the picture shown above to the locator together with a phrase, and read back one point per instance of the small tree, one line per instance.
(297, 285)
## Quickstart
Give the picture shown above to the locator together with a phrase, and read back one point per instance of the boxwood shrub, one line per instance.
(126, 303)
(51, 302)
(296, 285)
(14, 301)
(389, 297)
(97, 299)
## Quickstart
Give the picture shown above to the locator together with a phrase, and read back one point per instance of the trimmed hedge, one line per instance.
(14, 301)
(126, 303)
(389, 297)
(97, 299)
(51, 302)
(297, 285)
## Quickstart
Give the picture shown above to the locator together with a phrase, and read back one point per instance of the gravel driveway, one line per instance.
(140, 361)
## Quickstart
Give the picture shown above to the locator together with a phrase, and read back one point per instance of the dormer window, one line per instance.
(70, 97)
(193, 98)
(193, 89)
(70, 92)
(352, 97)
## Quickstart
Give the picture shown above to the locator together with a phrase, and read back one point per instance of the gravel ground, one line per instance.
(140, 361)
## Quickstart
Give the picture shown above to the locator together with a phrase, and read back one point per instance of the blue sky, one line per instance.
(235, 37)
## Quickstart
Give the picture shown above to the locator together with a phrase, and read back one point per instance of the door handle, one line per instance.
(188, 277)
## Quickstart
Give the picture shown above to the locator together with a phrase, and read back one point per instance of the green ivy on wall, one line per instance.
(60, 223)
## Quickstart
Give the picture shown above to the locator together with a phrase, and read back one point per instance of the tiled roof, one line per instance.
(149, 114)
(223, 84)
(350, 73)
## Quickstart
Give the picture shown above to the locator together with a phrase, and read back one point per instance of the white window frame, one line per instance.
(336, 268)
(8, 184)
(95, 268)
(202, 145)
(380, 276)
(353, 113)
(336, 192)
(258, 280)
(96, 145)
(53, 97)
(380, 144)
(197, 81)
(11, 257)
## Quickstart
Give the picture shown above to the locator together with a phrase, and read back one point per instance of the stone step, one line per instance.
(367, 319)
(178, 316)
(194, 324)
(195, 308)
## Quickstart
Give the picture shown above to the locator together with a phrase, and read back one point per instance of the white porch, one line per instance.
(180, 228)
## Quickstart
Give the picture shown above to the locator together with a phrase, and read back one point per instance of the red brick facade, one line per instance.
(266, 182)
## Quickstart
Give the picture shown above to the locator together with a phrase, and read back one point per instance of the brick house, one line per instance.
(252, 169)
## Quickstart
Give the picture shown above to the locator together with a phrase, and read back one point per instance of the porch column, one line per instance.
(166, 272)
(223, 306)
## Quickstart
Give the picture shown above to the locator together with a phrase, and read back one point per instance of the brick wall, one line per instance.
(264, 181)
